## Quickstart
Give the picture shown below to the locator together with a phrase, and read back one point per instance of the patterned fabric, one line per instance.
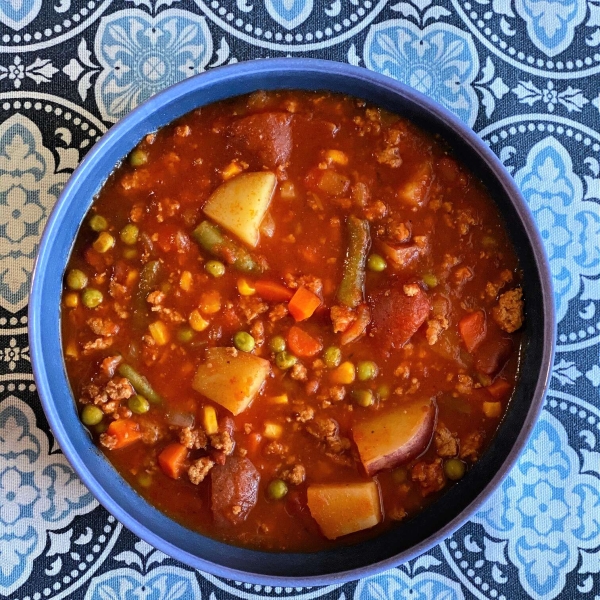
(523, 73)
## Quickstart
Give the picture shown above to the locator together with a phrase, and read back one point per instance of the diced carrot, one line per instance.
(302, 343)
(473, 328)
(303, 304)
(271, 291)
(125, 431)
(253, 444)
(172, 458)
(500, 389)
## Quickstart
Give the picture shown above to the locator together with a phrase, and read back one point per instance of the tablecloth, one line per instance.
(523, 74)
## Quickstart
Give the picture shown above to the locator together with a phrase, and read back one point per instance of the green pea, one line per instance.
(277, 344)
(366, 370)
(430, 280)
(91, 415)
(91, 298)
(376, 263)
(76, 279)
(399, 475)
(284, 360)
(101, 427)
(384, 391)
(138, 404)
(243, 341)
(364, 398)
(138, 158)
(215, 268)
(277, 489)
(454, 469)
(185, 335)
(98, 223)
(332, 357)
(129, 234)
(144, 480)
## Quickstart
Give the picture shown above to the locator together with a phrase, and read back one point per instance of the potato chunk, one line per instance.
(240, 204)
(231, 378)
(394, 437)
(343, 508)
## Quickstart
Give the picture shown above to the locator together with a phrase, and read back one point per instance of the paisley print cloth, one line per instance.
(524, 74)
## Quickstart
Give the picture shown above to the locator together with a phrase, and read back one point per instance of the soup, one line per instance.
(292, 320)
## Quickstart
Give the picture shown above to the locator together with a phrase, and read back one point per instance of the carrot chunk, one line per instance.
(271, 291)
(125, 431)
(303, 304)
(473, 328)
(172, 458)
(302, 343)
(500, 389)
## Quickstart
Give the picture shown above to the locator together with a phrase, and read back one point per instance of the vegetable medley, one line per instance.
(292, 319)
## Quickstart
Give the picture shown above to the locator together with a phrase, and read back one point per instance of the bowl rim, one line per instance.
(46, 353)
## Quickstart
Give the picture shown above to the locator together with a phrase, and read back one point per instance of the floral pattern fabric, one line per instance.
(523, 74)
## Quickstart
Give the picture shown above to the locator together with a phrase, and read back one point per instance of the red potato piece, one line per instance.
(268, 135)
(492, 355)
(395, 437)
(234, 490)
(343, 508)
(396, 317)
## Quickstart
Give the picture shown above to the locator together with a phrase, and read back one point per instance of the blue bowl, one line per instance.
(410, 538)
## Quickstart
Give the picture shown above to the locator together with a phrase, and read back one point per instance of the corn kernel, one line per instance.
(132, 277)
(492, 409)
(244, 288)
(71, 350)
(209, 420)
(104, 242)
(231, 170)
(72, 300)
(272, 431)
(282, 399)
(197, 323)
(336, 156)
(160, 333)
(344, 374)
(185, 281)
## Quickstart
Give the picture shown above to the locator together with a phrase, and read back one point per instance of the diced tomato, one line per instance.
(473, 329)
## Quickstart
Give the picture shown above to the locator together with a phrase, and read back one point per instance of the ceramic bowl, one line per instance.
(399, 544)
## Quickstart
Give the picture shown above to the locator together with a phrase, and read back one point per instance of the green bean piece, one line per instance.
(185, 335)
(140, 384)
(214, 241)
(376, 263)
(277, 489)
(284, 360)
(277, 344)
(366, 370)
(98, 223)
(364, 398)
(430, 280)
(454, 469)
(91, 298)
(76, 279)
(138, 404)
(149, 277)
(332, 357)
(129, 234)
(352, 287)
(138, 158)
(215, 268)
(91, 415)
(243, 341)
